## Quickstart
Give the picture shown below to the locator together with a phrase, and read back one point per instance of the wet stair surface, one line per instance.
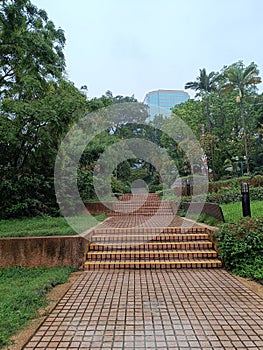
(135, 238)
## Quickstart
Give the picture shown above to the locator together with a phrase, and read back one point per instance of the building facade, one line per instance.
(161, 102)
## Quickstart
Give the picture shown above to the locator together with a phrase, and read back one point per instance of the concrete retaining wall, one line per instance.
(42, 251)
(96, 208)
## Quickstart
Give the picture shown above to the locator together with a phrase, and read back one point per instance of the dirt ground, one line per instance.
(21, 338)
(254, 286)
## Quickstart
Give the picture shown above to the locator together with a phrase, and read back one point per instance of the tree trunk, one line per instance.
(209, 130)
(245, 135)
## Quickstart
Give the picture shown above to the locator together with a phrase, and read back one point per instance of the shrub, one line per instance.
(27, 196)
(233, 195)
(241, 247)
(255, 181)
(153, 188)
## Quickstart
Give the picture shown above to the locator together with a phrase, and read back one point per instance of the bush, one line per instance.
(255, 181)
(155, 188)
(233, 195)
(27, 196)
(230, 195)
(241, 247)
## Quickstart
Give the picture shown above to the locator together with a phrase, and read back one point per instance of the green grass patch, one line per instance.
(42, 226)
(209, 220)
(22, 293)
(233, 211)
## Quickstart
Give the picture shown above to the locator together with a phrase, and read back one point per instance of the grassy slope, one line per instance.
(40, 226)
(233, 211)
(22, 292)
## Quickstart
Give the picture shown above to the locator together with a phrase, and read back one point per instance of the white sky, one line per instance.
(135, 46)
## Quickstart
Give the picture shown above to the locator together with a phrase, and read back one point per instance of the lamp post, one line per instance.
(245, 199)
(188, 187)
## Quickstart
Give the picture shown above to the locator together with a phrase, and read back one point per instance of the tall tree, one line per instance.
(204, 85)
(37, 107)
(241, 78)
(31, 49)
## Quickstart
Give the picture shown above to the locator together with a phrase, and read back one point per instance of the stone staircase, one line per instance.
(114, 246)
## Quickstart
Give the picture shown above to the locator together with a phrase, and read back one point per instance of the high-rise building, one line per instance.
(161, 102)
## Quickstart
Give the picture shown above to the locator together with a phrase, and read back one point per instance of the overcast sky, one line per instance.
(136, 46)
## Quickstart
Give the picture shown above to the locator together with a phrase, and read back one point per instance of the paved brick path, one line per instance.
(154, 309)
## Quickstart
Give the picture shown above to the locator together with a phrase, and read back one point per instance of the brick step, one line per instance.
(141, 209)
(144, 213)
(153, 264)
(140, 199)
(152, 255)
(128, 196)
(118, 238)
(143, 204)
(150, 230)
(127, 246)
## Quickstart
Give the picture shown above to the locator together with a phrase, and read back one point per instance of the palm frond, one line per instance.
(192, 85)
(226, 89)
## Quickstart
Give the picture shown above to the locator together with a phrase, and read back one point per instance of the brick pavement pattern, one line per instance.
(154, 309)
(150, 308)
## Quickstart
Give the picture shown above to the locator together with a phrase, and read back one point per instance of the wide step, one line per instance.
(152, 255)
(124, 246)
(153, 264)
(150, 238)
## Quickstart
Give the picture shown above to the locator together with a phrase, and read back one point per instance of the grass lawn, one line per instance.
(41, 226)
(22, 293)
(233, 211)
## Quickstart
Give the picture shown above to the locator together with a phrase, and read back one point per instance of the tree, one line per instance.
(204, 85)
(241, 78)
(37, 108)
(31, 49)
(30, 134)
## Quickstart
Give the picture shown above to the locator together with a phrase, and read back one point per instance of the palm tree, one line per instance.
(240, 77)
(204, 85)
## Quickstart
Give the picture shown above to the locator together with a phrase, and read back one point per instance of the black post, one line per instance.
(245, 199)
(188, 187)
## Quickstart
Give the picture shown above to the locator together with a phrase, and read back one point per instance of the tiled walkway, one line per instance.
(154, 309)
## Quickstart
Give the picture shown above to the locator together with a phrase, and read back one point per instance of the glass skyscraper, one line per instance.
(161, 102)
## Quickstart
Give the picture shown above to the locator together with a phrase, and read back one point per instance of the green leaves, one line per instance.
(204, 83)
(241, 247)
(240, 77)
(30, 46)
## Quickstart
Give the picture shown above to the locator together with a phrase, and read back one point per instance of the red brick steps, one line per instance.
(115, 247)
(127, 246)
(119, 238)
(153, 264)
(151, 254)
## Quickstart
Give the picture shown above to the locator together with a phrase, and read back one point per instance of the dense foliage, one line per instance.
(38, 106)
(241, 247)
(226, 117)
